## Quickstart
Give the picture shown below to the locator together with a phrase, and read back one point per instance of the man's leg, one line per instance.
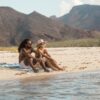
(33, 65)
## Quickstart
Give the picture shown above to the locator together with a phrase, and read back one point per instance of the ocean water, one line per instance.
(65, 86)
(11, 66)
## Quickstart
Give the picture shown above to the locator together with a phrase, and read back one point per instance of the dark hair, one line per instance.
(22, 44)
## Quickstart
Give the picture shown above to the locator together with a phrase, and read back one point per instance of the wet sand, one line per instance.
(77, 59)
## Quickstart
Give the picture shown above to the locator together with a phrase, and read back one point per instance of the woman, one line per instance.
(41, 53)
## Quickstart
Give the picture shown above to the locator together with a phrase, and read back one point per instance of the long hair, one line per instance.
(22, 44)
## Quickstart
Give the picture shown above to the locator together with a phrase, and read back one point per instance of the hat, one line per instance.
(41, 41)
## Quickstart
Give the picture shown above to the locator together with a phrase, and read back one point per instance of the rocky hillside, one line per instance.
(83, 17)
(16, 26)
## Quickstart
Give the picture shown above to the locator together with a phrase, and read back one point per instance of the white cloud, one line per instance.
(77, 2)
(66, 5)
(93, 2)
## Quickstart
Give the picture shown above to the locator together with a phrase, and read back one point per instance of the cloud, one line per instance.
(66, 5)
(77, 2)
(93, 2)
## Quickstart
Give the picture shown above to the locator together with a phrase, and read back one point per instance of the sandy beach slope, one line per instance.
(75, 59)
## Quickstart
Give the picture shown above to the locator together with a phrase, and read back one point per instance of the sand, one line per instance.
(74, 59)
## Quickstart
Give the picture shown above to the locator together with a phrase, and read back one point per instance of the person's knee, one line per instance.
(40, 60)
(34, 61)
(30, 60)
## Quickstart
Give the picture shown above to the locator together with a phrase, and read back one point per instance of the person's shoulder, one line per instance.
(45, 50)
(22, 50)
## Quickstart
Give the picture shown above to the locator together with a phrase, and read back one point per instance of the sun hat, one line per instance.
(41, 41)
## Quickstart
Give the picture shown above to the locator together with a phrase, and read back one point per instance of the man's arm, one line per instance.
(27, 54)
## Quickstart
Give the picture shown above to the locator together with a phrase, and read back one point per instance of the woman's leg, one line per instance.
(49, 65)
(42, 63)
(55, 64)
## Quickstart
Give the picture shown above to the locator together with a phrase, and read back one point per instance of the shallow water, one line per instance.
(73, 86)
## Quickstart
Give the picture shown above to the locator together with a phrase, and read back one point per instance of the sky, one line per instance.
(46, 7)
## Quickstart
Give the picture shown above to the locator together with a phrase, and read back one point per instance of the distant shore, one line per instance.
(77, 59)
(89, 42)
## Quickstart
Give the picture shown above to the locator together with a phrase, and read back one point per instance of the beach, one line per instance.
(74, 59)
(79, 81)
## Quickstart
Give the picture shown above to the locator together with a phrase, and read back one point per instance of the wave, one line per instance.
(12, 66)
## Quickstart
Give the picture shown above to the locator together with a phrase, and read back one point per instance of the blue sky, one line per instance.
(46, 7)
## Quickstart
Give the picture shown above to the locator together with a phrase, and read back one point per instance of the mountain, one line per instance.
(53, 17)
(36, 26)
(83, 17)
(16, 26)
(9, 23)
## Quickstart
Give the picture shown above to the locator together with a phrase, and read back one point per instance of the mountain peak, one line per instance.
(53, 17)
(85, 7)
(35, 13)
(83, 17)
(6, 8)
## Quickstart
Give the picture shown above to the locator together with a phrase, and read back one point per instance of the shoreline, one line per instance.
(74, 59)
(12, 74)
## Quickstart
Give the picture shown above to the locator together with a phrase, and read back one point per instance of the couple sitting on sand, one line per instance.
(41, 56)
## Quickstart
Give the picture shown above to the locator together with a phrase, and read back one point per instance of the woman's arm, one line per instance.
(46, 52)
(50, 58)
